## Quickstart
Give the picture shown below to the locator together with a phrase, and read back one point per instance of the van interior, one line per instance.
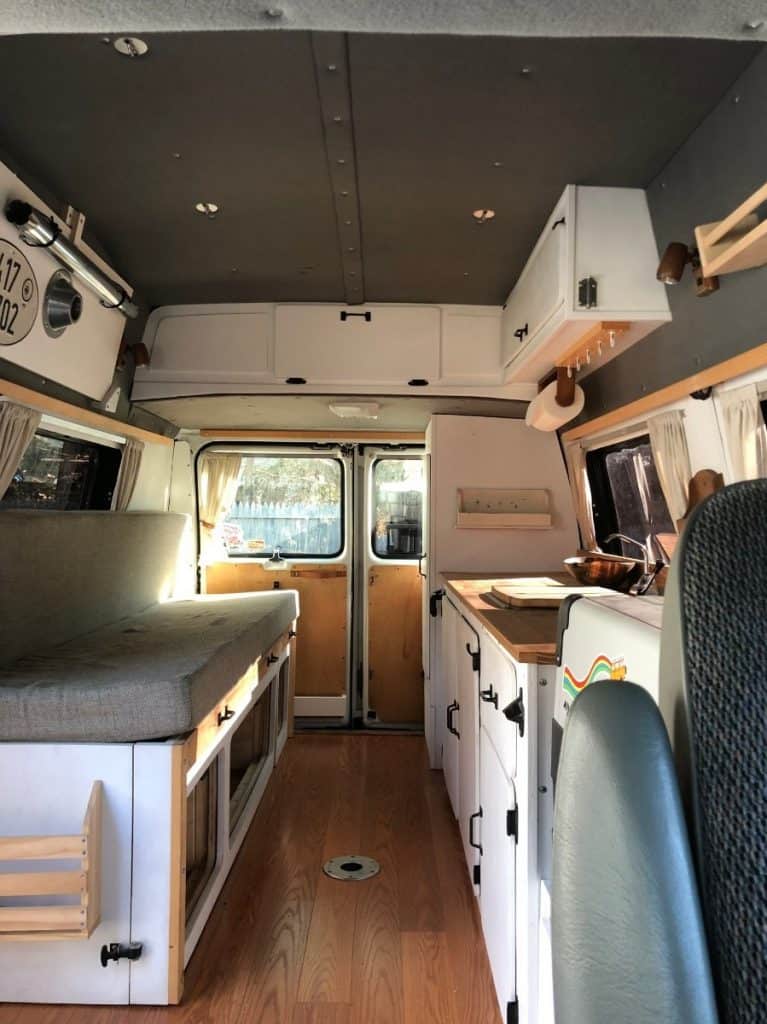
(383, 513)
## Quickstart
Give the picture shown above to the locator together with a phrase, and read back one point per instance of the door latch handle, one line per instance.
(489, 696)
(515, 712)
(451, 710)
(120, 951)
(472, 842)
(225, 715)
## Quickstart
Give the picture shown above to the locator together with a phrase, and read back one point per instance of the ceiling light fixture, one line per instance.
(207, 209)
(483, 216)
(357, 411)
(131, 46)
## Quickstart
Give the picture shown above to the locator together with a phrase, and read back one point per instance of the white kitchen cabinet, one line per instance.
(357, 344)
(467, 668)
(594, 234)
(448, 710)
(498, 872)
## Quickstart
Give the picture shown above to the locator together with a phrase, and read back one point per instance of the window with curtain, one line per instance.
(64, 473)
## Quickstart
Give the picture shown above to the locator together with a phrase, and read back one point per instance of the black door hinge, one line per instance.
(512, 824)
(475, 657)
(587, 293)
(475, 874)
(435, 602)
(512, 1012)
(515, 712)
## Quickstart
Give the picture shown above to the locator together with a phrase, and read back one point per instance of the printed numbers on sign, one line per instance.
(18, 295)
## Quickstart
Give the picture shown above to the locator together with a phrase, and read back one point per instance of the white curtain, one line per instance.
(126, 478)
(672, 459)
(17, 428)
(219, 475)
(575, 456)
(744, 432)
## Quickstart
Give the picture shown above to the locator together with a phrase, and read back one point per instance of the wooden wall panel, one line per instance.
(321, 647)
(394, 643)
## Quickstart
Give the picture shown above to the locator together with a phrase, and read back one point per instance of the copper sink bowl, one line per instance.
(596, 569)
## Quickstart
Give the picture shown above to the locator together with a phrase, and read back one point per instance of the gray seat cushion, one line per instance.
(627, 932)
(153, 675)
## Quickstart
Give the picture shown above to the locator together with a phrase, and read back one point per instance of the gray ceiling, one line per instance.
(431, 115)
(693, 18)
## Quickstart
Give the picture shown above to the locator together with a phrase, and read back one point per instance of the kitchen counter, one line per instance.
(528, 634)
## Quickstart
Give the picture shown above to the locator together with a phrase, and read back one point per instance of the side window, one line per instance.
(64, 473)
(290, 503)
(627, 496)
(397, 508)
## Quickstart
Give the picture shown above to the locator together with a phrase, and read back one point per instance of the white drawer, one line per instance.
(498, 688)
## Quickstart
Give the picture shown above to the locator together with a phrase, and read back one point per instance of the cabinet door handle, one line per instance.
(472, 842)
(521, 332)
(420, 564)
(225, 715)
(489, 696)
(451, 709)
(475, 657)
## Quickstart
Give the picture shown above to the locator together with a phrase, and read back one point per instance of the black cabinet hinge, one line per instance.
(512, 1012)
(476, 874)
(587, 293)
(475, 657)
(435, 602)
(512, 824)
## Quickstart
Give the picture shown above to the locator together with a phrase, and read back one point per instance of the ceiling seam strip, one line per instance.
(334, 93)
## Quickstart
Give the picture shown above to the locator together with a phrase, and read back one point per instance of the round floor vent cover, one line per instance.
(351, 868)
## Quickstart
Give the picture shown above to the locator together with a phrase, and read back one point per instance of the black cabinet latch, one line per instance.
(272, 659)
(512, 824)
(367, 317)
(435, 602)
(225, 715)
(521, 332)
(515, 712)
(121, 951)
(489, 696)
(587, 293)
(475, 658)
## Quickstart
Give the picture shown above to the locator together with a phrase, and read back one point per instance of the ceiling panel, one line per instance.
(433, 116)
(242, 111)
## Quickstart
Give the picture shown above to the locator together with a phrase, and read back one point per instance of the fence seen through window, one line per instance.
(290, 503)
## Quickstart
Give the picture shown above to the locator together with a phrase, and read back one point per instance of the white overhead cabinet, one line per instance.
(590, 277)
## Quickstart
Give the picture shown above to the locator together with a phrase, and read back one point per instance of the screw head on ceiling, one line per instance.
(332, 67)
(131, 46)
(497, 163)
(338, 119)
(274, 13)
(526, 71)
(176, 156)
(343, 194)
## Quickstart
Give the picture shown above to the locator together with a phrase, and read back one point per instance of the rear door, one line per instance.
(289, 528)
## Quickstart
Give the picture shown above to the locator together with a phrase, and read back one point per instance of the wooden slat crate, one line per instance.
(73, 921)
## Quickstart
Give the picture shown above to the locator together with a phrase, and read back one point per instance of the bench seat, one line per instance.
(150, 676)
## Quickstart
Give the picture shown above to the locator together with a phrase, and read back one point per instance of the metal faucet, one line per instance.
(630, 540)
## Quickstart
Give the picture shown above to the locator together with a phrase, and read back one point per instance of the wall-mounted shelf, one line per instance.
(739, 242)
(487, 508)
(24, 919)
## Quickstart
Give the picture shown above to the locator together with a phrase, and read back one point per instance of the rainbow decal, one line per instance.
(602, 668)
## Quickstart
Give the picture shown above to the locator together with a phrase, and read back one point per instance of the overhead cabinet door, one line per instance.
(540, 291)
(357, 344)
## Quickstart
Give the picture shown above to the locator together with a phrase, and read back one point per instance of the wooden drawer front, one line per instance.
(270, 658)
(499, 684)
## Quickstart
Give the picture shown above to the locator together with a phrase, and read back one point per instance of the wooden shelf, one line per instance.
(72, 920)
(739, 242)
(486, 508)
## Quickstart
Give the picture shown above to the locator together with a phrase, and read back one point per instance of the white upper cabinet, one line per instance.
(357, 344)
(592, 272)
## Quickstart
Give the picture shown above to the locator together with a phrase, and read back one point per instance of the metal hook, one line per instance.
(599, 347)
(612, 339)
(588, 356)
(577, 362)
(569, 372)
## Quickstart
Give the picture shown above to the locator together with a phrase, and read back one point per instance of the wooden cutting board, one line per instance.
(542, 593)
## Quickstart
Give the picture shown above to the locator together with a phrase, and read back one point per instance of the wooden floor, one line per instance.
(286, 945)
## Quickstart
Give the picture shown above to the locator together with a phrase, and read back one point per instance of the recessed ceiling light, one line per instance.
(526, 71)
(208, 209)
(357, 411)
(131, 46)
(483, 216)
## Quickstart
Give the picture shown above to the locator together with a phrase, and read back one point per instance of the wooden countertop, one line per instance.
(528, 634)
